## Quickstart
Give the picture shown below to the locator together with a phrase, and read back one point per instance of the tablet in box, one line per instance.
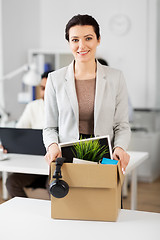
(67, 147)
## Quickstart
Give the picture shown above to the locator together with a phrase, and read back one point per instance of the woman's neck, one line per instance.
(85, 70)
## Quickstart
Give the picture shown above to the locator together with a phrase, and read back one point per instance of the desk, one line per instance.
(32, 164)
(25, 219)
(136, 158)
(22, 163)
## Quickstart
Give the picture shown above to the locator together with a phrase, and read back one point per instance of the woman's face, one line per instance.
(83, 42)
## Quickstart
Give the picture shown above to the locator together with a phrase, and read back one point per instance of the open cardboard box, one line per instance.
(94, 192)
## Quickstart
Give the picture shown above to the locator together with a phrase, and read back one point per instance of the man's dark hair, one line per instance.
(45, 74)
(103, 62)
(82, 20)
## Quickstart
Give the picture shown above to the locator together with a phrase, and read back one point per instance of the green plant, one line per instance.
(90, 150)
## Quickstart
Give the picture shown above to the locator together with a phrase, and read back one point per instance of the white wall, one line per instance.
(158, 57)
(28, 24)
(21, 31)
(133, 52)
(1, 62)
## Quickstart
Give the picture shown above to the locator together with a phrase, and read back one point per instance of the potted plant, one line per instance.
(90, 150)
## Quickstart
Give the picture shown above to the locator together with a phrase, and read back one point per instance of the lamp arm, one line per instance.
(31, 77)
(3, 116)
(15, 72)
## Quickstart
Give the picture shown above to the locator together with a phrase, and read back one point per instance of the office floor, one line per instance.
(148, 197)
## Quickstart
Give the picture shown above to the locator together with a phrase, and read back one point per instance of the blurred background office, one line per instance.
(32, 31)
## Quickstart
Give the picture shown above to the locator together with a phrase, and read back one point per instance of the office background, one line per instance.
(130, 31)
(130, 41)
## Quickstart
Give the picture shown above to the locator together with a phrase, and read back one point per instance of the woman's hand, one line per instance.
(122, 156)
(1, 147)
(52, 153)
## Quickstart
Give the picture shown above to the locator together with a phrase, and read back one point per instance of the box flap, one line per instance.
(120, 174)
(89, 176)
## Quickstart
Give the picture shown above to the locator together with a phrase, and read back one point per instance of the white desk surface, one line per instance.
(31, 164)
(23, 163)
(22, 218)
(136, 158)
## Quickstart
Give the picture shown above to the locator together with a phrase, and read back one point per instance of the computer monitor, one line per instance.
(22, 140)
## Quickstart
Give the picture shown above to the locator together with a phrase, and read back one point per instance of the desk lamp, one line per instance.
(31, 77)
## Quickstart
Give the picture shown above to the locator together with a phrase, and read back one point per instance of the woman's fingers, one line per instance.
(53, 153)
(122, 156)
(4, 150)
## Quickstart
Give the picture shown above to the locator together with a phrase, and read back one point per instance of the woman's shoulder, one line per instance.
(57, 78)
(112, 73)
(59, 72)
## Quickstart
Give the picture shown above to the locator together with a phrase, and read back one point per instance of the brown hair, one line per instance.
(82, 20)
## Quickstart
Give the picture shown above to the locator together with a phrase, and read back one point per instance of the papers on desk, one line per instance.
(4, 157)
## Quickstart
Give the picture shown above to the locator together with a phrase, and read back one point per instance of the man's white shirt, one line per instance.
(33, 115)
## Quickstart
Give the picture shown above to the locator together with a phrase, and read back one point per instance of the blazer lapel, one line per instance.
(99, 94)
(71, 90)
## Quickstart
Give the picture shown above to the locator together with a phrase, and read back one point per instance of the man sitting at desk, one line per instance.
(32, 117)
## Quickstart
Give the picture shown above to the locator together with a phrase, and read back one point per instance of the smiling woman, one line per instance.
(83, 43)
(86, 98)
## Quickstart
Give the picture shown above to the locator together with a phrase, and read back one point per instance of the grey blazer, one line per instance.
(110, 110)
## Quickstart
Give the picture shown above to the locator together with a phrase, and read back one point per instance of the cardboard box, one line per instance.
(94, 192)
